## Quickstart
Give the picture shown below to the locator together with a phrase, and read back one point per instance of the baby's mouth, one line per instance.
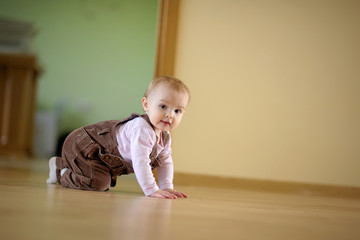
(165, 123)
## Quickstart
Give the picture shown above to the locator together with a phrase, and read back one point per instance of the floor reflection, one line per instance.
(51, 188)
(142, 218)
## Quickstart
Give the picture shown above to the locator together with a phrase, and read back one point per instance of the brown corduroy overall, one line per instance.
(92, 158)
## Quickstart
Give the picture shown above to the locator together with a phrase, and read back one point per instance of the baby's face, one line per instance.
(165, 107)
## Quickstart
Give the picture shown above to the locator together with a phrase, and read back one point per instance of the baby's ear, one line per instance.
(144, 102)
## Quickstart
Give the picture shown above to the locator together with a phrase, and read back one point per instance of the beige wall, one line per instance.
(275, 90)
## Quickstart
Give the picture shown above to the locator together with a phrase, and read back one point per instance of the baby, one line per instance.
(93, 156)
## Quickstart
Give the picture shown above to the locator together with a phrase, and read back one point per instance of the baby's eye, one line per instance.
(162, 106)
(178, 111)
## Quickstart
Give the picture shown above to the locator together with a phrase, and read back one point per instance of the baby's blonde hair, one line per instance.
(175, 83)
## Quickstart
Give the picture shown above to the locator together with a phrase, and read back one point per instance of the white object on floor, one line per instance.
(52, 171)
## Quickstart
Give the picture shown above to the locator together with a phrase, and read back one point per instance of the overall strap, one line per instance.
(164, 139)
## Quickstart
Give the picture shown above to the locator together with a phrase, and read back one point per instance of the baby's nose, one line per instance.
(170, 114)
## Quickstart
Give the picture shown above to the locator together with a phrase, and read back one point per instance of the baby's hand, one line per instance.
(176, 193)
(168, 193)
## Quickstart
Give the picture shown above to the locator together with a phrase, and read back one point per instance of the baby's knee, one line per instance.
(101, 183)
(100, 177)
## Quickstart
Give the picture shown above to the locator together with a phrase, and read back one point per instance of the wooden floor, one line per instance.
(31, 209)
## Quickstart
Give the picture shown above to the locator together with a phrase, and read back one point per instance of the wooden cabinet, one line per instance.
(18, 74)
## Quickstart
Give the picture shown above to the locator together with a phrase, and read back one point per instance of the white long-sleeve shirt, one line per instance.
(136, 140)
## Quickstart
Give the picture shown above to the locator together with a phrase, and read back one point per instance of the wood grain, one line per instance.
(31, 209)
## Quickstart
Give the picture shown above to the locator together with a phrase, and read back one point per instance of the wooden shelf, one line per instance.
(18, 75)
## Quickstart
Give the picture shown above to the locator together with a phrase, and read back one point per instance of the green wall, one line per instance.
(97, 56)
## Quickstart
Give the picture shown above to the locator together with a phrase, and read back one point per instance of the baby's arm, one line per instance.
(165, 176)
